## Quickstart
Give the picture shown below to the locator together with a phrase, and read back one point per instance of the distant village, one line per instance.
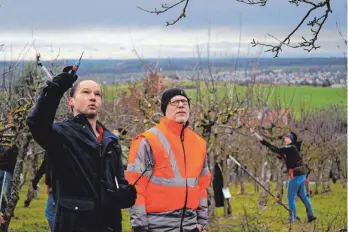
(305, 76)
(276, 76)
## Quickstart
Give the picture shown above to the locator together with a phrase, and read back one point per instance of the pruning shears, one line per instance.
(47, 74)
(253, 132)
(75, 67)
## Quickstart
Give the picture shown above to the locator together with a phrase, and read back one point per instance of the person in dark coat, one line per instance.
(8, 158)
(88, 181)
(290, 153)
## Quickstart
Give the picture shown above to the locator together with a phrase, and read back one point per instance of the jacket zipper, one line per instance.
(186, 188)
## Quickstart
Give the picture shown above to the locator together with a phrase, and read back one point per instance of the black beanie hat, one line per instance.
(168, 95)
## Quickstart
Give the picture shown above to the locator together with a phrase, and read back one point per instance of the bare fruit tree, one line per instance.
(313, 19)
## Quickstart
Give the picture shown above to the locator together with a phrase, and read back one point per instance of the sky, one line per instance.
(114, 29)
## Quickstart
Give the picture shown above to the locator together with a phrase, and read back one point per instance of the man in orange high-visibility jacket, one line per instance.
(172, 194)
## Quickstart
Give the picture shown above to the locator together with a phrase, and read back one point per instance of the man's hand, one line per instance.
(63, 81)
(34, 184)
(130, 195)
(125, 196)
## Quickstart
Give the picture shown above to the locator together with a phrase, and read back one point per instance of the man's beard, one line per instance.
(90, 115)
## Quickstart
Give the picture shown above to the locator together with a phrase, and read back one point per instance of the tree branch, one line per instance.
(308, 45)
(253, 2)
(165, 7)
(315, 24)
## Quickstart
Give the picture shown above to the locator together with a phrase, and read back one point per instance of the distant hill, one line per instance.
(92, 67)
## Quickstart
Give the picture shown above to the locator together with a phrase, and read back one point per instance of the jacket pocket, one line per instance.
(76, 215)
(76, 204)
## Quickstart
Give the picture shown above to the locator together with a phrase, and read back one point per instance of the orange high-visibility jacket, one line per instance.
(178, 172)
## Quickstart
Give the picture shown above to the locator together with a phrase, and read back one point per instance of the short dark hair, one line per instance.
(75, 86)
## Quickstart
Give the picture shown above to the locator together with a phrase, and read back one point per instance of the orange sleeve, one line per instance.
(138, 161)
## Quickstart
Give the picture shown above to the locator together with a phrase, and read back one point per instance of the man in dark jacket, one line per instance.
(88, 181)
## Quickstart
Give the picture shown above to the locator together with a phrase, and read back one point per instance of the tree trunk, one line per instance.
(320, 177)
(241, 178)
(256, 187)
(261, 200)
(279, 179)
(33, 160)
(325, 183)
(318, 172)
(24, 174)
(342, 169)
(24, 140)
(265, 179)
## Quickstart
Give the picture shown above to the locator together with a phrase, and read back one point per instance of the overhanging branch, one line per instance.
(165, 7)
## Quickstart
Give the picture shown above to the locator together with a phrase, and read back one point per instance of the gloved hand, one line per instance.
(62, 81)
(34, 183)
(125, 196)
(128, 195)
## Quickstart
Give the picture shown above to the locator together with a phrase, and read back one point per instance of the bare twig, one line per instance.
(143, 62)
(165, 7)
(252, 2)
(316, 24)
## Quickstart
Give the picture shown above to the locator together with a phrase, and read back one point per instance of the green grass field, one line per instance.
(246, 216)
(292, 97)
(328, 207)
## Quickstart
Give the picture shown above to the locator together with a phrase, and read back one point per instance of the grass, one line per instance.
(327, 207)
(330, 208)
(293, 97)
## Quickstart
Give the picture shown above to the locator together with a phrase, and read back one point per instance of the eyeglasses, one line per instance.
(175, 103)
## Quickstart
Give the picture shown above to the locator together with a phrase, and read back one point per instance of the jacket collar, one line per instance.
(81, 119)
(173, 126)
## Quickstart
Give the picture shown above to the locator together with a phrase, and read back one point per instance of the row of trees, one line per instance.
(216, 110)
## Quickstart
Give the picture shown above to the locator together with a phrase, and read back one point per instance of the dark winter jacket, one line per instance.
(83, 170)
(291, 154)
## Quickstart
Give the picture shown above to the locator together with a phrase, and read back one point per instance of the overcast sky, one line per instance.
(113, 28)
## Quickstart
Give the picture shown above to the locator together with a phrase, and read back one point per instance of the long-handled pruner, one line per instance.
(73, 68)
(47, 74)
(254, 178)
(253, 132)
